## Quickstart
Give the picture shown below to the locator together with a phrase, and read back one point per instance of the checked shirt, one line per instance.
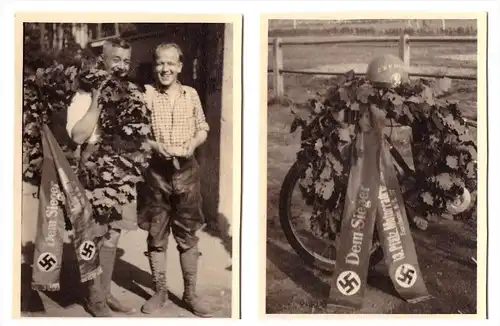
(176, 122)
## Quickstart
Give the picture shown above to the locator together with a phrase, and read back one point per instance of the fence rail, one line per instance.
(379, 39)
(327, 73)
(403, 42)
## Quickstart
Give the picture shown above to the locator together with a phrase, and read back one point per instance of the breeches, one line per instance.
(170, 201)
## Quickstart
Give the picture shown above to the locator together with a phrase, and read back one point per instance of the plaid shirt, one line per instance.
(175, 122)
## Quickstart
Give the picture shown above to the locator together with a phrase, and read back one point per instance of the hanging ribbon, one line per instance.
(373, 197)
(395, 235)
(61, 193)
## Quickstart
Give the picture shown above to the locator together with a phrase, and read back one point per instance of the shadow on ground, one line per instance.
(444, 253)
(67, 296)
(294, 268)
(127, 276)
(130, 278)
(220, 229)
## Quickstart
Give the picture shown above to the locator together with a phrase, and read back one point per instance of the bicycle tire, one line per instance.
(288, 185)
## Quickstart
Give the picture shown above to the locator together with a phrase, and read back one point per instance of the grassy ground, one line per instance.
(422, 54)
(425, 58)
(445, 250)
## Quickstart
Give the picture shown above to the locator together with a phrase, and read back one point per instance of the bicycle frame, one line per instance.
(326, 263)
(397, 156)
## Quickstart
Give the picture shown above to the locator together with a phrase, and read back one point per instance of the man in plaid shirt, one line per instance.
(170, 199)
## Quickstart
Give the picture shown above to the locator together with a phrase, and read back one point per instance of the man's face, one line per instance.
(117, 61)
(167, 66)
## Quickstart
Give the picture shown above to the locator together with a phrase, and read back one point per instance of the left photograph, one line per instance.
(129, 160)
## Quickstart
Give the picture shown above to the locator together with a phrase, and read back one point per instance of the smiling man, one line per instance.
(170, 200)
(84, 126)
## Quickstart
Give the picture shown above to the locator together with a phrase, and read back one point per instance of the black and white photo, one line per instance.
(376, 158)
(131, 165)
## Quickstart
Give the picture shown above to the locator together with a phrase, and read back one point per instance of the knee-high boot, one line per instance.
(107, 257)
(189, 267)
(95, 300)
(158, 265)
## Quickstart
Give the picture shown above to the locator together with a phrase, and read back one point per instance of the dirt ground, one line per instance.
(132, 282)
(445, 251)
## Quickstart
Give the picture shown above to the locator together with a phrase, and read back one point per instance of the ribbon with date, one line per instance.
(61, 193)
(373, 199)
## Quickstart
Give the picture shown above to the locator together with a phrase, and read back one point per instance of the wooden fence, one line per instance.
(403, 43)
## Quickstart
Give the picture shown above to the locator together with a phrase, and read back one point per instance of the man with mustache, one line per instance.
(170, 200)
(83, 127)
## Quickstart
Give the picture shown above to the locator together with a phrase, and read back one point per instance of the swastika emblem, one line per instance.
(46, 262)
(396, 79)
(87, 250)
(348, 283)
(406, 275)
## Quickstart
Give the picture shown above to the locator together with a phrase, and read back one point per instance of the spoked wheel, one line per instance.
(295, 217)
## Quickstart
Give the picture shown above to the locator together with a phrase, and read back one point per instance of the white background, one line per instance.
(251, 72)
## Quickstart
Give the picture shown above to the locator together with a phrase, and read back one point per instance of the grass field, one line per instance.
(445, 250)
(437, 58)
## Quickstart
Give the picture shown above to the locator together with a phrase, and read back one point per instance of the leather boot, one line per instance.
(96, 300)
(158, 264)
(189, 267)
(107, 256)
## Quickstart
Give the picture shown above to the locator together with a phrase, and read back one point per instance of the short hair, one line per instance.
(165, 46)
(115, 42)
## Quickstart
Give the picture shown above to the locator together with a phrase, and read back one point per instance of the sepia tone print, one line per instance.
(130, 174)
(373, 151)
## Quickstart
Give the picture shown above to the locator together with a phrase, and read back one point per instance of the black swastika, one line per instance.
(87, 250)
(47, 262)
(406, 275)
(349, 283)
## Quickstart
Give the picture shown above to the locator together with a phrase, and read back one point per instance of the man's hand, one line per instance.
(189, 147)
(186, 150)
(160, 148)
(178, 151)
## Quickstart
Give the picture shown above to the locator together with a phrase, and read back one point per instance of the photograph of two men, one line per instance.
(130, 142)
(131, 166)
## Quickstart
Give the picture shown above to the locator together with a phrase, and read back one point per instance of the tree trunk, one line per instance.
(43, 45)
(54, 35)
(60, 36)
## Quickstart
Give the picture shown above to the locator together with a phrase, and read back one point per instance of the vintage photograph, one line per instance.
(131, 165)
(375, 139)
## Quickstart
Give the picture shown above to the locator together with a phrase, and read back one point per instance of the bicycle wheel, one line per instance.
(294, 219)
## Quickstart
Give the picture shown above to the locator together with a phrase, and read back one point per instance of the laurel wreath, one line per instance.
(111, 170)
(443, 151)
